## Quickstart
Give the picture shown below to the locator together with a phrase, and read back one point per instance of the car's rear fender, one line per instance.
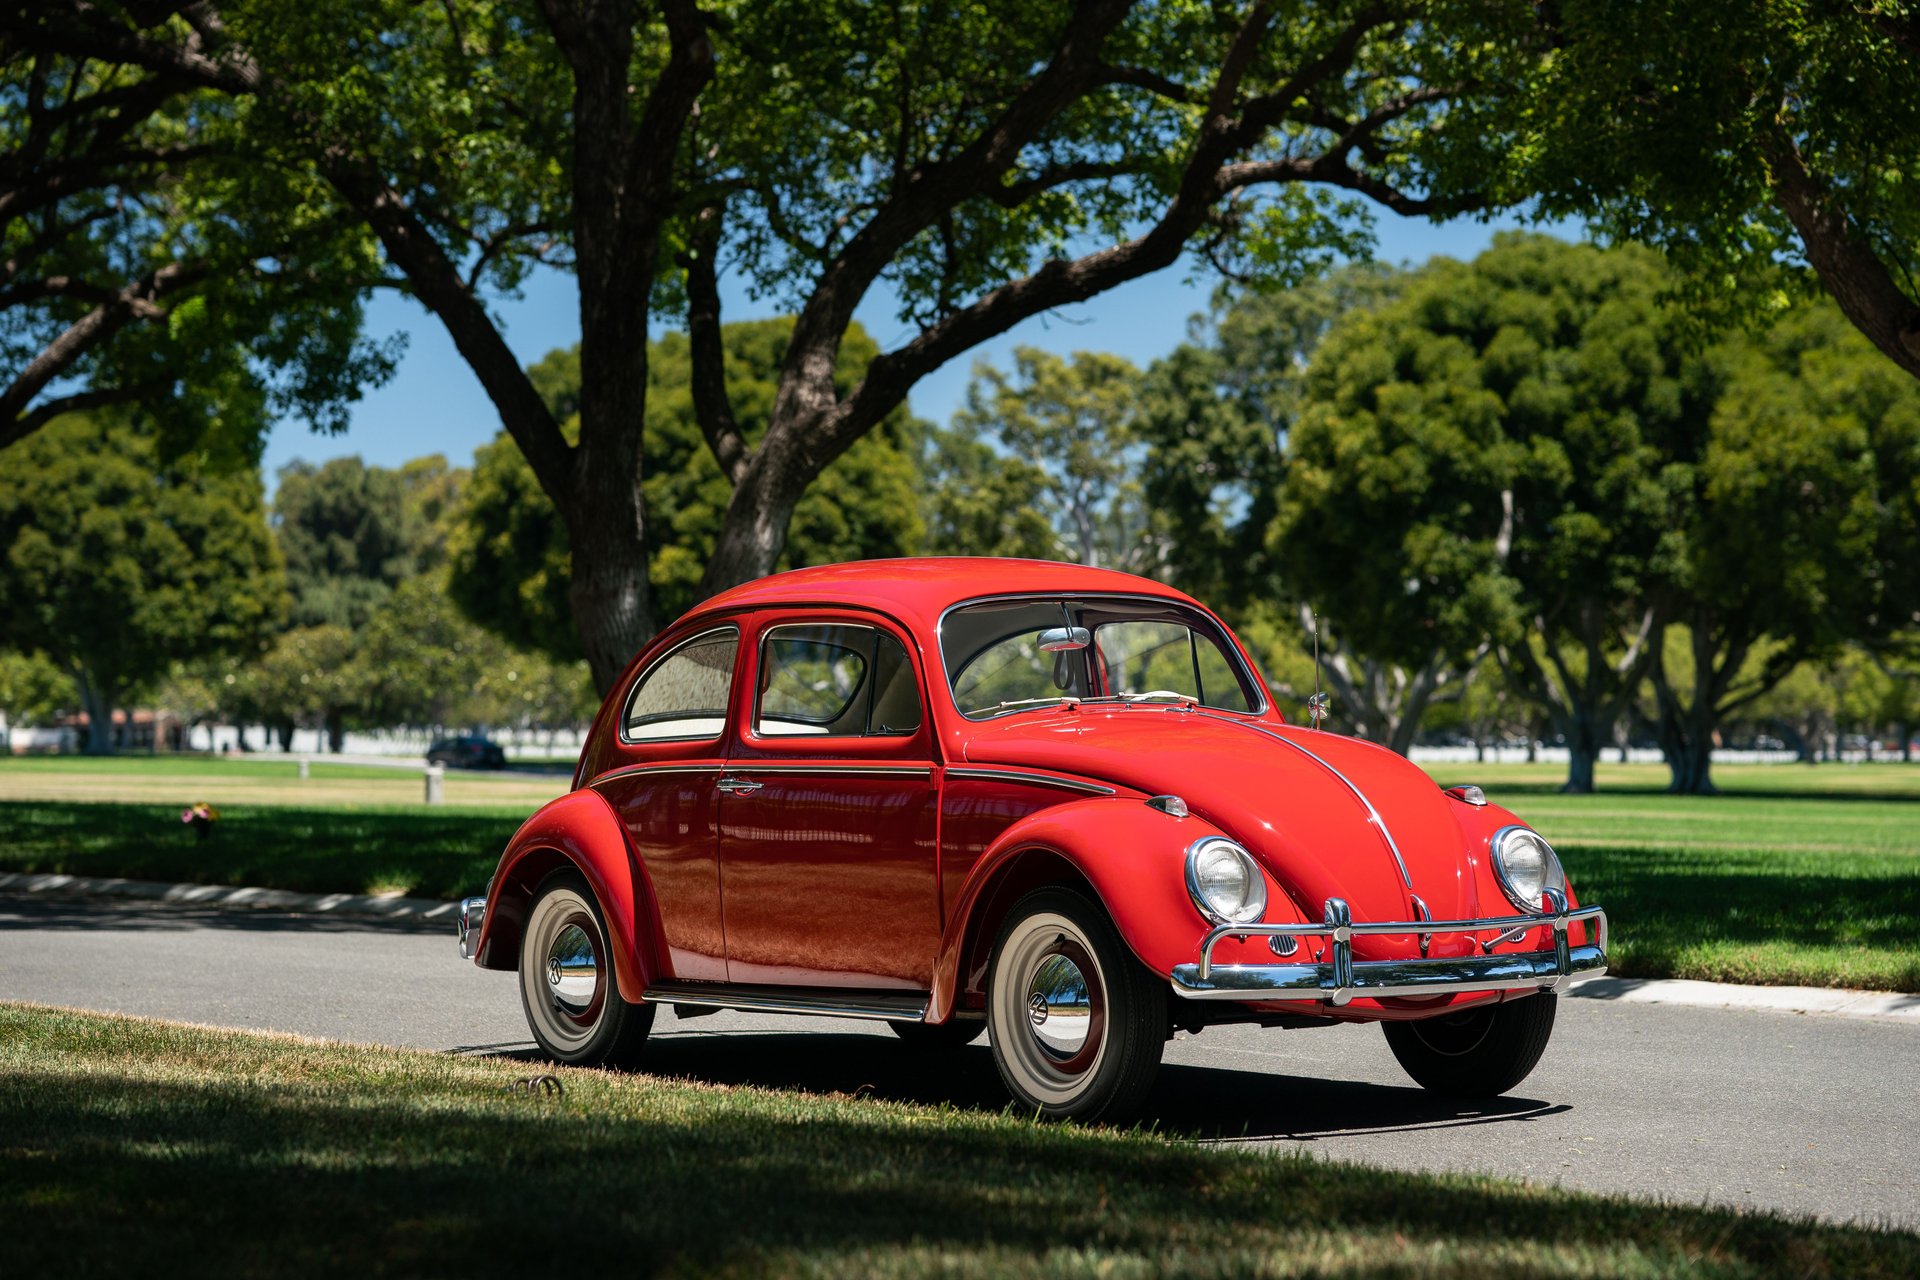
(579, 830)
(1128, 855)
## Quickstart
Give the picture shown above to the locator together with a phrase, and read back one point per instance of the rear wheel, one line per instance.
(1078, 1024)
(1480, 1053)
(567, 985)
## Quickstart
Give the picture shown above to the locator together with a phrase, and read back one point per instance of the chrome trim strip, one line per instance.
(1339, 980)
(626, 769)
(1037, 779)
(740, 766)
(1373, 815)
(879, 1006)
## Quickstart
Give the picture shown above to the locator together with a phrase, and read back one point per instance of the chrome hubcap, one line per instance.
(1060, 1005)
(573, 971)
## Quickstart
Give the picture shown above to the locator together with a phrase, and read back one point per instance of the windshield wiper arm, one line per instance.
(1028, 704)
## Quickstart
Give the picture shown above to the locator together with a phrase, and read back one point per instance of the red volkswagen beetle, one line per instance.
(1049, 802)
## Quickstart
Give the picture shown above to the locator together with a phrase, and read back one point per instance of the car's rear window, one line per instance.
(684, 695)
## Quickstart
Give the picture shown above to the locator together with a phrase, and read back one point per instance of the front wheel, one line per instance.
(1077, 1023)
(1480, 1053)
(567, 985)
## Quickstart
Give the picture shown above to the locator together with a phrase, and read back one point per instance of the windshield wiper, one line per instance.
(1028, 704)
(1151, 695)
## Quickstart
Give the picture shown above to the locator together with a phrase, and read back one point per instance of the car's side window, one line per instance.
(684, 696)
(835, 679)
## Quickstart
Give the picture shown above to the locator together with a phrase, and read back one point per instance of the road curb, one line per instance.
(1827, 1001)
(421, 911)
(431, 912)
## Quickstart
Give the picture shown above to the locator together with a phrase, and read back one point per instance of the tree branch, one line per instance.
(18, 429)
(710, 403)
(437, 284)
(1853, 274)
(1152, 81)
(135, 301)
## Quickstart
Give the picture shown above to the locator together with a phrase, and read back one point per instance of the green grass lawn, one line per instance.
(439, 852)
(1793, 876)
(224, 782)
(124, 1142)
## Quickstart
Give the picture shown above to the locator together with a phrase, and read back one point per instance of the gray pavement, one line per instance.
(1757, 1109)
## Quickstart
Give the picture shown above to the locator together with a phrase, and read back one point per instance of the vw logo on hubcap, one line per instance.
(1037, 1003)
(553, 970)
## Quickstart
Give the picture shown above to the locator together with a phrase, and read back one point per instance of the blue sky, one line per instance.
(434, 404)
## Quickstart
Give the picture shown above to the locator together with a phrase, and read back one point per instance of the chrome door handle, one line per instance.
(738, 786)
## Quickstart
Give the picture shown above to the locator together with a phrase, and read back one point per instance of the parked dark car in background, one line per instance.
(467, 753)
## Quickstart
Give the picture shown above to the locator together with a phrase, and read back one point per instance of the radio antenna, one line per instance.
(1317, 704)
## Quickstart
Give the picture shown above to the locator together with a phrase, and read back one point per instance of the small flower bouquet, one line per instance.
(201, 818)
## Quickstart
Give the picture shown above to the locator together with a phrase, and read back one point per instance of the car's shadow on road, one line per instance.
(1215, 1104)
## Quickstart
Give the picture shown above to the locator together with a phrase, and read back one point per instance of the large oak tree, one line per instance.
(1737, 133)
(973, 165)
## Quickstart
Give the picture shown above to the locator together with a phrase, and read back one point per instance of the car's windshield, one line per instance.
(1003, 655)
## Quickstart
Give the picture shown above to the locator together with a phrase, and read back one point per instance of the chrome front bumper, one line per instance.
(1341, 978)
(473, 912)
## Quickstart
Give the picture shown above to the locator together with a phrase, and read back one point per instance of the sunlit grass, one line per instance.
(220, 781)
(127, 1143)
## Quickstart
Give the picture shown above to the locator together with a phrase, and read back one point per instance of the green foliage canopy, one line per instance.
(1736, 134)
(1488, 455)
(116, 566)
(509, 548)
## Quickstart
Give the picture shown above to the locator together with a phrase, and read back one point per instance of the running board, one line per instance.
(821, 1002)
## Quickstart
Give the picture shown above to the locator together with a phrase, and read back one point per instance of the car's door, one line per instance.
(828, 811)
(671, 753)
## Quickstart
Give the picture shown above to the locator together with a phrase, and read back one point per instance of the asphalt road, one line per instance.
(1755, 1109)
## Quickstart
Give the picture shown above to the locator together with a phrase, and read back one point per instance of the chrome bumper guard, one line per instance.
(1341, 979)
(473, 912)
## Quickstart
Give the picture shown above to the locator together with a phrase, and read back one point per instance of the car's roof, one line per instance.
(917, 590)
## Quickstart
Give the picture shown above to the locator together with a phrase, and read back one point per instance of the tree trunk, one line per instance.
(1906, 742)
(609, 593)
(755, 532)
(1584, 741)
(98, 704)
(285, 732)
(1580, 762)
(336, 732)
(1691, 766)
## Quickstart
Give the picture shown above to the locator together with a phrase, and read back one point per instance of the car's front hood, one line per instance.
(1328, 816)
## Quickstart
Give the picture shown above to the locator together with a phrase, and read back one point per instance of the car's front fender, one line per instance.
(582, 831)
(1131, 855)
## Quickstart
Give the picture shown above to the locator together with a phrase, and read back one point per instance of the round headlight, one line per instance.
(1526, 865)
(1225, 882)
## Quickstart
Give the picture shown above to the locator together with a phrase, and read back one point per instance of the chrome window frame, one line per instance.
(640, 682)
(752, 726)
(1234, 656)
(760, 665)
